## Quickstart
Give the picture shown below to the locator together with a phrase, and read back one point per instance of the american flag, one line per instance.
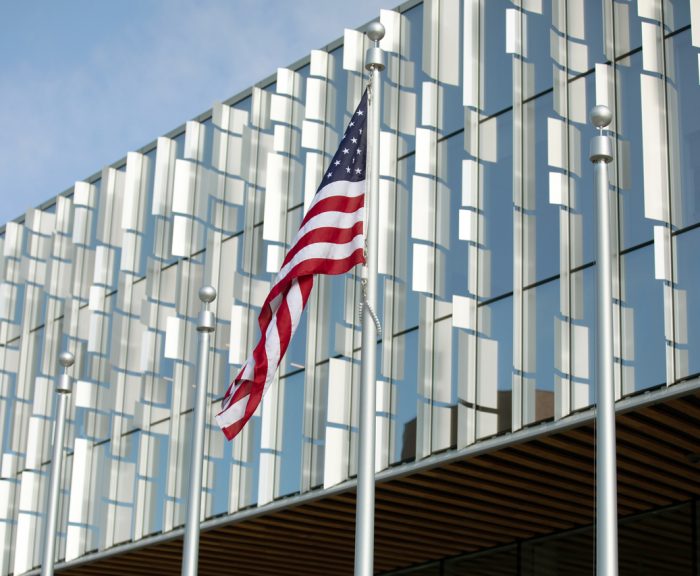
(330, 240)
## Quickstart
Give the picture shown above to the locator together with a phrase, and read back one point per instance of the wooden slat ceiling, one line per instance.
(529, 489)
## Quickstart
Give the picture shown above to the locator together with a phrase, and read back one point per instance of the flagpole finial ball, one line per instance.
(601, 116)
(207, 294)
(66, 359)
(375, 31)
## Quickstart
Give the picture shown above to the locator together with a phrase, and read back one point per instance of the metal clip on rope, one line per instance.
(364, 304)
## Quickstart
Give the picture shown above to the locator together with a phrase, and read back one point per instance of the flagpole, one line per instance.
(205, 326)
(364, 523)
(64, 389)
(606, 462)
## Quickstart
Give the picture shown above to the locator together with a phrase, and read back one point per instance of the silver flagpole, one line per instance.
(64, 389)
(364, 518)
(205, 326)
(606, 464)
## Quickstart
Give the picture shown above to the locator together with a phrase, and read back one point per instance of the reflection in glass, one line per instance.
(581, 197)
(291, 411)
(405, 300)
(686, 303)
(628, 163)
(498, 87)
(496, 256)
(641, 322)
(577, 390)
(453, 264)
(404, 379)
(683, 94)
(537, 62)
(155, 477)
(412, 76)
(541, 305)
(628, 26)
(540, 241)
(494, 405)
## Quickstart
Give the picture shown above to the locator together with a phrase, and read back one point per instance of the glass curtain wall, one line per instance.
(487, 271)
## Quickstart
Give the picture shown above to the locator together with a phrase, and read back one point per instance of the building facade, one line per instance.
(487, 300)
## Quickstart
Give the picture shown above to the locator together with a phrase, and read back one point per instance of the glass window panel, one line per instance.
(582, 201)
(444, 391)
(628, 162)
(179, 458)
(412, 76)
(496, 266)
(586, 27)
(541, 311)
(156, 478)
(450, 110)
(432, 569)
(292, 408)
(336, 94)
(295, 358)
(404, 371)
(570, 553)
(452, 267)
(676, 14)
(659, 543)
(501, 562)
(337, 322)
(582, 339)
(496, 64)
(628, 26)
(642, 322)
(316, 443)
(99, 494)
(683, 95)
(406, 306)
(537, 62)
(687, 303)
(495, 364)
(540, 218)
(242, 457)
(218, 461)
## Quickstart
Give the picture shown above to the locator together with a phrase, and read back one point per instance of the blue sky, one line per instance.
(82, 82)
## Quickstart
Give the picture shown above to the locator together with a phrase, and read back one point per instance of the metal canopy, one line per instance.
(522, 490)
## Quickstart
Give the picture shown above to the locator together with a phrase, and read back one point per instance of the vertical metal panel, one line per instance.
(650, 9)
(472, 90)
(651, 47)
(514, 31)
(78, 523)
(319, 64)
(135, 192)
(695, 22)
(7, 513)
(605, 88)
(654, 147)
(353, 50)
(109, 231)
(426, 146)
(662, 250)
(164, 177)
(441, 51)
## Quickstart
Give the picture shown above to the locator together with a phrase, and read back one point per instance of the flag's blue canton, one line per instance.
(349, 161)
